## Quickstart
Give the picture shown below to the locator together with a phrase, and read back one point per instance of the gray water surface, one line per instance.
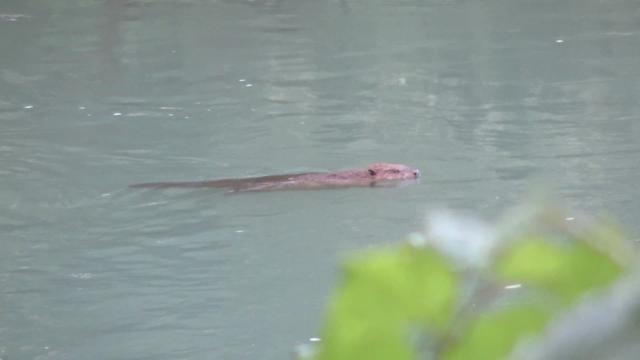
(487, 98)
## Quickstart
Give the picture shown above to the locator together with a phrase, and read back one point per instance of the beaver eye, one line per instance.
(372, 172)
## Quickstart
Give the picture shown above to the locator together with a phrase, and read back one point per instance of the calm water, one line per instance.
(486, 97)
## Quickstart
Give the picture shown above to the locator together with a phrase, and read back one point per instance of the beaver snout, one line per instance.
(416, 173)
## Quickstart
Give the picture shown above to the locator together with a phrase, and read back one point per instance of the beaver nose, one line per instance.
(416, 173)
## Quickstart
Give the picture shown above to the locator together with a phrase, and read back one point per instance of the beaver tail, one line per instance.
(174, 184)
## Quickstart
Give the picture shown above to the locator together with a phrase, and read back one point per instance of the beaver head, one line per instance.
(384, 171)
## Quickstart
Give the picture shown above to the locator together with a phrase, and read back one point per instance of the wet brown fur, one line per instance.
(373, 175)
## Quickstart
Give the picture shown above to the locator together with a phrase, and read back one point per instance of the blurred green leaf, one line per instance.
(389, 296)
(603, 326)
(567, 270)
(607, 237)
(383, 293)
(493, 336)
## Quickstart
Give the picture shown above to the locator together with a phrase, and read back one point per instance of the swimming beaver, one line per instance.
(380, 174)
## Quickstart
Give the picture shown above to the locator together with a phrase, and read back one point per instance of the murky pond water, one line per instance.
(487, 98)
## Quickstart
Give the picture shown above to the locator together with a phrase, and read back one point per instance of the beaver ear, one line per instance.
(372, 172)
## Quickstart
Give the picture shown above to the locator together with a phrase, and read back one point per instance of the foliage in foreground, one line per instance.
(534, 288)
